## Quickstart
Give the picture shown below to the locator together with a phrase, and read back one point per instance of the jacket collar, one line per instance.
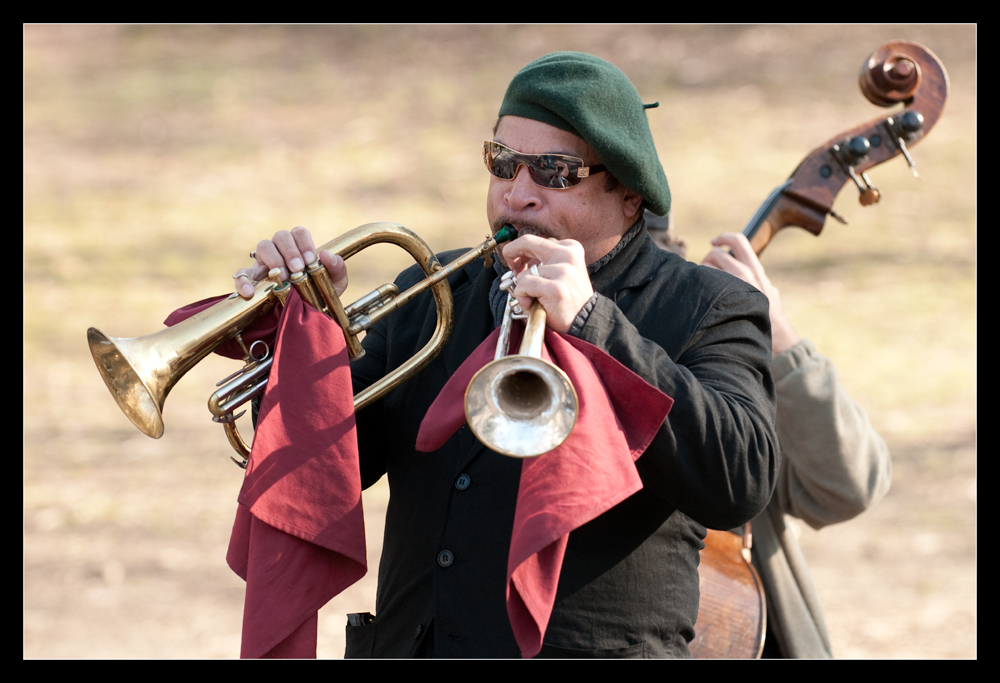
(633, 266)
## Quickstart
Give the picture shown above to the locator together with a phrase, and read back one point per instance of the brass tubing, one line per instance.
(254, 379)
(372, 300)
(534, 331)
(437, 275)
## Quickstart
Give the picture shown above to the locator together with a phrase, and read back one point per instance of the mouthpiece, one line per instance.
(505, 234)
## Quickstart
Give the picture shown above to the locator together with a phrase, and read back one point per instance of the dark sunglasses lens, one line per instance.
(505, 167)
(498, 162)
(552, 172)
(546, 170)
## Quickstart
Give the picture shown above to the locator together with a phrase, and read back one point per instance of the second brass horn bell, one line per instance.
(521, 405)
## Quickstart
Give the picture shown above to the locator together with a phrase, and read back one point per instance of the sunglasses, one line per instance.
(555, 171)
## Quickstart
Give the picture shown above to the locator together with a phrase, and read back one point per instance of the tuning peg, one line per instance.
(857, 148)
(848, 153)
(909, 159)
(870, 194)
(903, 129)
(911, 121)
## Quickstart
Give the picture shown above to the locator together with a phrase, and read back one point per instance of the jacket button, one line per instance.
(463, 482)
(445, 558)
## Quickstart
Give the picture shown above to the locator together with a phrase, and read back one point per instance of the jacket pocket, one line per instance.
(360, 636)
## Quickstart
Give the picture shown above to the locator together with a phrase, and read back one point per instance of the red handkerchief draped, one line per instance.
(298, 539)
(591, 472)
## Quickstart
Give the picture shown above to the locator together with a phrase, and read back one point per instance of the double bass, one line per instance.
(732, 617)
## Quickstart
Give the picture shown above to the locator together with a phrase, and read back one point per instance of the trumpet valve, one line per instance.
(322, 290)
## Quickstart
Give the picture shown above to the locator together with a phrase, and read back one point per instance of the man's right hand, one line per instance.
(290, 252)
(560, 282)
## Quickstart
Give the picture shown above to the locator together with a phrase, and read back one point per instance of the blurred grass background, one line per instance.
(155, 158)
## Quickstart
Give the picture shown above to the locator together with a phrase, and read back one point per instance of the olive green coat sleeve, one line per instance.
(834, 466)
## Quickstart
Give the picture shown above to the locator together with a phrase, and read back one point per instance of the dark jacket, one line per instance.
(629, 583)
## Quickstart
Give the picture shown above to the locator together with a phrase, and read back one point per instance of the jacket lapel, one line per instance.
(473, 318)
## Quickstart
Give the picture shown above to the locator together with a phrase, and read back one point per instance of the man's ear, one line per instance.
(632, 204)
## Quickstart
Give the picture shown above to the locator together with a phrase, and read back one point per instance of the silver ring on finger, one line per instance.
(534, 271)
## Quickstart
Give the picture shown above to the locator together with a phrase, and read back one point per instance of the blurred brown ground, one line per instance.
(156, 157)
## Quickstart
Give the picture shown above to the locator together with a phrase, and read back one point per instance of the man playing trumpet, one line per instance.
(572, 165)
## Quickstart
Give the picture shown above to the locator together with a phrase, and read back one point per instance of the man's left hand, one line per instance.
(562, 285)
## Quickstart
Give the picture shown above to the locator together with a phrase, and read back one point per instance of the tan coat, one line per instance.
(833, 467)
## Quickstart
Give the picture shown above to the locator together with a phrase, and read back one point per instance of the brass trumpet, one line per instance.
(521, 405)
(140, 371)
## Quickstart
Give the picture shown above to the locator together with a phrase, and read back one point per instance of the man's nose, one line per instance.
(522, 192)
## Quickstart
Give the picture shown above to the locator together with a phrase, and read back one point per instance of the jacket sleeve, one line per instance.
(716, 457)
(835, 464)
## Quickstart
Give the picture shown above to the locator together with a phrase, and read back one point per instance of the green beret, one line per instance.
(594, 100)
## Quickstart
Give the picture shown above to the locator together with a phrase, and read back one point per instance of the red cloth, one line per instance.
(591, 472)
(298, 539)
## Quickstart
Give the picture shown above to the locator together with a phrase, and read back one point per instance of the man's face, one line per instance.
(585, 212)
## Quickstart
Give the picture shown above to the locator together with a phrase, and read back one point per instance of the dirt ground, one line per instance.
(898, 582)
(155, 157)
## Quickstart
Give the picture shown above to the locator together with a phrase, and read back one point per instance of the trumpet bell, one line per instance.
(521, 406)
(120, 362)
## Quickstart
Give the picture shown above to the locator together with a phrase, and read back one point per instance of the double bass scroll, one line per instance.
(898, 72)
